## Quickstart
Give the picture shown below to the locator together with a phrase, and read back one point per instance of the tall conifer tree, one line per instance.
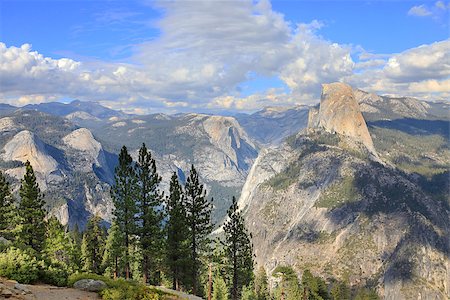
(239, 251)
(93, 245)
(177, 234)
(198, 210)
(57, 243)
(112, 257)
(6, 206)
(31, 211)
(150, 213)
(262, 285)
(124, 193)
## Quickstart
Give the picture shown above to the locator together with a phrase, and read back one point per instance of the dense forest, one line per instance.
(154, 239)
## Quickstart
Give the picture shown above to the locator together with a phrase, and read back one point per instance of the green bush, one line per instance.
(56, 274)
(19, 265)
(121, 289)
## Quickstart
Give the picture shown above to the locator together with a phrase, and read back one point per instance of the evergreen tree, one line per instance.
(220, 290)
(289, 287)
(93, 245)
(112, 258)
(150, 213)
(75, 240)
(314, 287)
(177, 234)
(124, 193)
(198, 210)
(262, 285)
(340, 291)
(239, 250)
(6, 207)
(31, 211)
(248, 293)
(57, 243)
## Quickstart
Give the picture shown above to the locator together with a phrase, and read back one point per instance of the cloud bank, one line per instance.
(208, 48)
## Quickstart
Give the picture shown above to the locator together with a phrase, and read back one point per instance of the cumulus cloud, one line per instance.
(314, 61)
(438, 11)
(419, 11)
(421, 72)
(207, 49)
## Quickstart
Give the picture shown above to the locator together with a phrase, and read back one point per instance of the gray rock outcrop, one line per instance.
(90, 285)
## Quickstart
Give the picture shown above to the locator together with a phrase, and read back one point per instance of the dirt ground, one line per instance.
(48, 292)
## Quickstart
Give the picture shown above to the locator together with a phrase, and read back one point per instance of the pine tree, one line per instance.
(314, 287)
(238, 249)
(340, 291)
(150, 213)
(220, 290)
(262, 285)
(289, 288)
(248, 293)
(6, 207)
(75, 240)
(112, 258)
(57, 243)
(93, 245)
(124, 193)
(31, 211)
(198, 210)
(177, 234)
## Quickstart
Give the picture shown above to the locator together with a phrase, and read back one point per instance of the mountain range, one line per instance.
(354, 188)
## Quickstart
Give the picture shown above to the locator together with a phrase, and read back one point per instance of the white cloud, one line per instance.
(438, 11)
(314, 61)
(421, 72)
(207, 49)
(419, 11)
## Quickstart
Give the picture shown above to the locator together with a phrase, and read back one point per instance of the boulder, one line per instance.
(90, 285)
(22, 288)
(6, 293)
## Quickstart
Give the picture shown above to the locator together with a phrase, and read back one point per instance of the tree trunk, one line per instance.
(210, 282)
(115, 267)
(145, 269)
(127, 263)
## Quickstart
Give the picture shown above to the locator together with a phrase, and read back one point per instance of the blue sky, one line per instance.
(147, 39)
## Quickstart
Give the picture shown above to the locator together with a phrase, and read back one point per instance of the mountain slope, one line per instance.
(272, 125)
(319, 202)
(218, 146)
(70, 165)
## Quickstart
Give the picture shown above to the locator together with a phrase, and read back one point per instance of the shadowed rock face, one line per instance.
(339, 112)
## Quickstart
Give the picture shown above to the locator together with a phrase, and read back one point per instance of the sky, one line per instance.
(219, 56)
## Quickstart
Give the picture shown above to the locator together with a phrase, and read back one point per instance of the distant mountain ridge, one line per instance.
(63, 109)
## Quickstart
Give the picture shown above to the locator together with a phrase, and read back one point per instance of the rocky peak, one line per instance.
(83, 140)
(339, 112)
(24, 146)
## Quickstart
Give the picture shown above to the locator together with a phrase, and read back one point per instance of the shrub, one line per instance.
(56, 274)
(121, 289)
(19, 265)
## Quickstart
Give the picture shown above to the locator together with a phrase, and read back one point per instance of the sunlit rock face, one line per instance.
(339, 112)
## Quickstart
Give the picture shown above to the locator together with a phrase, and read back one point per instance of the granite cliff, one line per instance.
(320, 202)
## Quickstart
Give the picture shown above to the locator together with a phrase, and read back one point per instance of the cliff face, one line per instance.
(316, 203)
(339, 112)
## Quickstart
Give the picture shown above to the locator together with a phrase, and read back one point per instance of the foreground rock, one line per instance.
(90, 285)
